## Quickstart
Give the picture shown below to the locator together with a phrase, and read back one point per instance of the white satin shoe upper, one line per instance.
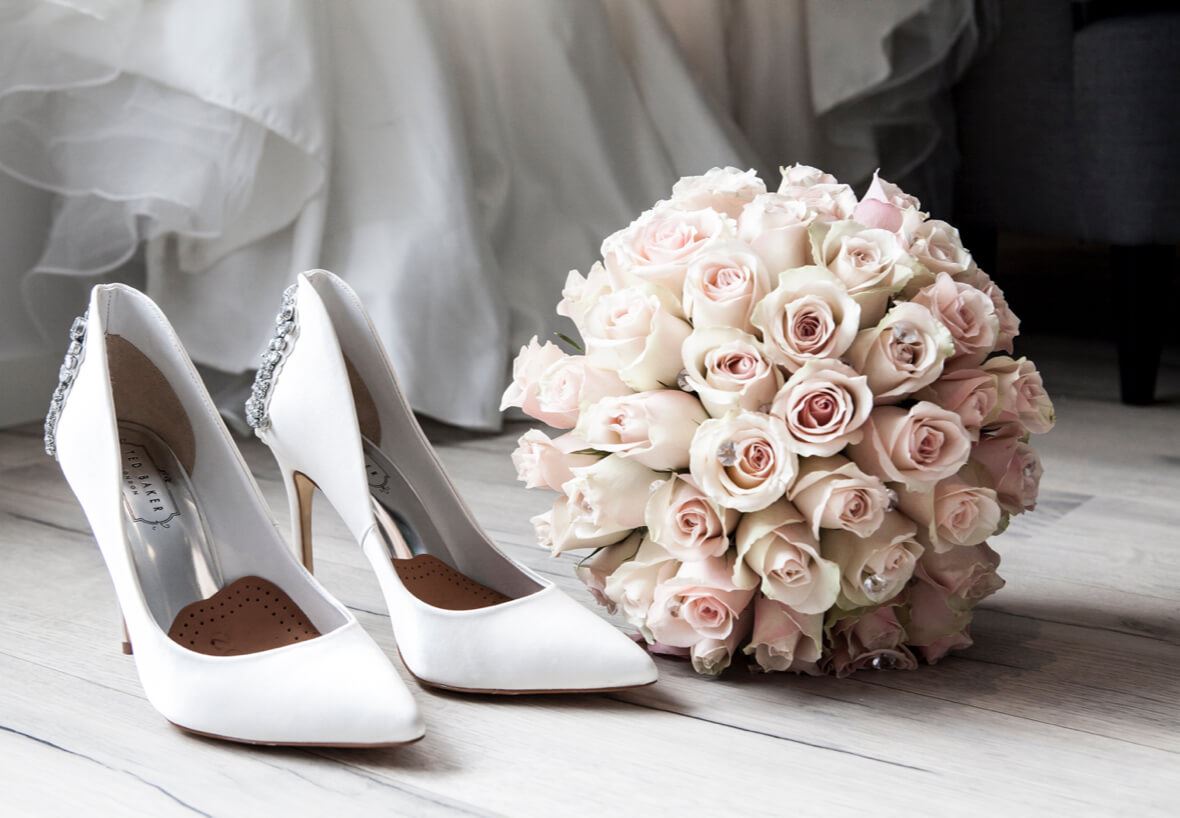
(335, 413)
(337, 688)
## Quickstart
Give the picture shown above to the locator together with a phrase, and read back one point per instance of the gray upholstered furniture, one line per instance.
(1069, 126)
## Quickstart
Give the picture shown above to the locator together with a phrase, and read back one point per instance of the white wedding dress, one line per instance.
(451, 159)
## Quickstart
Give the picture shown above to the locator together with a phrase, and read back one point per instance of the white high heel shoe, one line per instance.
(466, 617)
(232, 637)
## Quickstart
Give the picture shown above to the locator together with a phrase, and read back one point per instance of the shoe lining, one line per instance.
(249, 615)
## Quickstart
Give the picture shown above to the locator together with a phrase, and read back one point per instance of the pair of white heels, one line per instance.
(232, 636)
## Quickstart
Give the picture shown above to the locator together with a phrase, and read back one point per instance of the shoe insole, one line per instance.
(438, 584)
(247, 616)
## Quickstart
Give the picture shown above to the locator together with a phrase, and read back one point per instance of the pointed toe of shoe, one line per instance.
(594, 655)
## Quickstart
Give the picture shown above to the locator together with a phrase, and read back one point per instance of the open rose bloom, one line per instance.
(792, 425)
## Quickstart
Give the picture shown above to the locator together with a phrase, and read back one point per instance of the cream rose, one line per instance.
(955, 513)
(916, 447)
(700, 602)
(823, 404)
(937, 247)
(712, 656)
(728, 370)
(637, 332)
(686, 523)
(603, 503)
(870, 262)
(875, 640)
(1012, 467)
(722, 286)
(967, 574)
(632, 586)
(569, 383)
(808, 316)
(967, 313)
(726, 190)
(743, 461)
(876, 568)
(777, 553)
(798, 175)
(903, 353)
(595, 569)
(930, 616)
(544, 463)
(532, 361)
(775, 226)
(1022, 395)
(1008, 322)
(657, 247)
(832, 492)
(654, 428)
(580, 293)
(826, 202)
(784, 639)
(969, 393)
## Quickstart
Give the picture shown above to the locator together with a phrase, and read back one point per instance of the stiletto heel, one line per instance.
(300, 495)
(232, 637)
(465, 616)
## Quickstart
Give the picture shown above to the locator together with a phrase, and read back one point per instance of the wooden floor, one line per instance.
(1069, 703)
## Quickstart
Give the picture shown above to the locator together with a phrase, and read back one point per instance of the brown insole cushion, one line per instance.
(438, 584)
(247, 616)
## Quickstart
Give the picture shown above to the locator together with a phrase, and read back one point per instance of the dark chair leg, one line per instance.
(1141, 276)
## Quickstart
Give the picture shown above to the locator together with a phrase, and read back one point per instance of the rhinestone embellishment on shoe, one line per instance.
(272, 360)
(65, 380)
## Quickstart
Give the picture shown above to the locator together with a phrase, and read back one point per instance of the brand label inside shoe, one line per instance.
(145, 488)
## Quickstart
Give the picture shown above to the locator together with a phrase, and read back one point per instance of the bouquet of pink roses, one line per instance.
(792, 427)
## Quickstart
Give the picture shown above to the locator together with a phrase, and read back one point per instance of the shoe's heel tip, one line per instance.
(127, 649)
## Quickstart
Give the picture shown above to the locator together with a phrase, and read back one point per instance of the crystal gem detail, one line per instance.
(277, 350)
(65, 379)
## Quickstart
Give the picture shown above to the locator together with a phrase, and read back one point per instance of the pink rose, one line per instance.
(632, 586)
(955, 513)
(917, 446)
(728, 370)
(544, 463)
(939, 648)
(523, 392)
(637, 332)
(876, 640)
(597, 568)
(874, 568)
(726, 190)
(784, 639)
(775, 226)
(743, 461)
(658, 246)
(686, 523)
(832, 492)
(1012, 467)
(903, 353)
(700, 602)
(808, 316)
(966, 574)
(1008, 322)
(798, 175)
(966, 312)
(938, 247)
(1022, 395)
(603, 504)
(652, 428)
(870, 262)
(712, 656)
(887, 207)
(970, 393)
(824, 404)
(777, 553)
(722, 286)
(931, 617)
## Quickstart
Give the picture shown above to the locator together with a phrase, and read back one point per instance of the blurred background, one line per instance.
(454, 159)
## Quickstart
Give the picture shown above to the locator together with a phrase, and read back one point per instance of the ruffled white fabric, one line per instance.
(452, 160)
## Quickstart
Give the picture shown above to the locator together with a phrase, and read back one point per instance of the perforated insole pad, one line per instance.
(438, 584)
(247, 616)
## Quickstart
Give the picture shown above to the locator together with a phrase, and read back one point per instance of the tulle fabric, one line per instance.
(452, 160)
